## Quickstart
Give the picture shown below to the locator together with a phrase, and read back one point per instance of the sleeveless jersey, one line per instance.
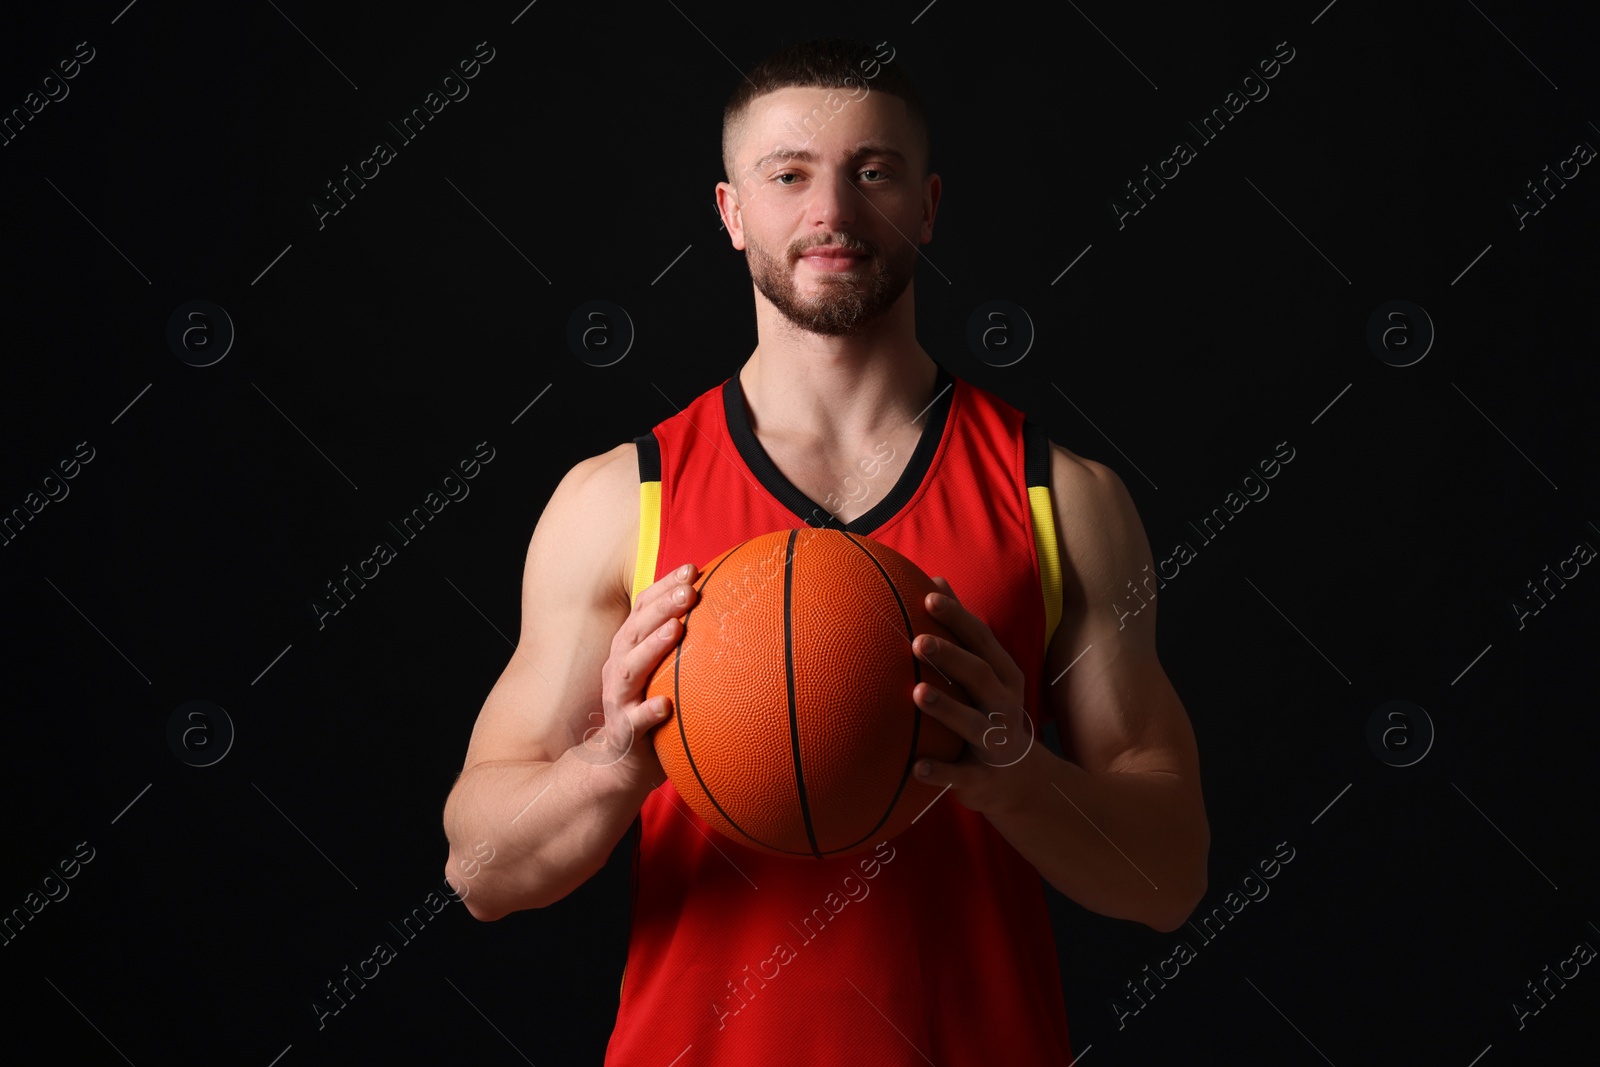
(937, 945)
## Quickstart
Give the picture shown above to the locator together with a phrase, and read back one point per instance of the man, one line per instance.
(738, 957)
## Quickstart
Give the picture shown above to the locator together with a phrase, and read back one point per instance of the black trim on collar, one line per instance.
(808, 510)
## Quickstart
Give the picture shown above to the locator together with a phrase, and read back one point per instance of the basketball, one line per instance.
(793, 729)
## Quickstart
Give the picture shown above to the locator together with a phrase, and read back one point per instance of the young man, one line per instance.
(840, 419)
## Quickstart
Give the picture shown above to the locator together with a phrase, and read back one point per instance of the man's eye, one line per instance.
(875, 170)
(786, 174)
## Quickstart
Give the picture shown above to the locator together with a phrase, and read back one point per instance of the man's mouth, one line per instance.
(833, 258)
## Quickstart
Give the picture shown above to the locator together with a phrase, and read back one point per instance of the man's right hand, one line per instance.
(652, 629)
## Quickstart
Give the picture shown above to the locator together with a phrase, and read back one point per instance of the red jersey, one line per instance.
(935, 946)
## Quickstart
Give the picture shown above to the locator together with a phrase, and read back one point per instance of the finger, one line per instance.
(648, 714)
(640, 662)
(964, 721)
(936, 773)
(666, 598)
(971, 632)
(952, 662)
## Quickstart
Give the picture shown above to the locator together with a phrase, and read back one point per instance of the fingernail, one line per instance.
(683, 571)
(923, 770)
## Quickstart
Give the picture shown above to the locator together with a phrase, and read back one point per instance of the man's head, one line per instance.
(826, 149)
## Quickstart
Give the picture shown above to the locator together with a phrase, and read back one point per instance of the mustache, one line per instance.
(849, 244)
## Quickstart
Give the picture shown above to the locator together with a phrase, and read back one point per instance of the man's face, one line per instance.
(829, 204)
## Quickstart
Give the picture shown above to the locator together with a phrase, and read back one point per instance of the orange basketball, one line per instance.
(793, 729)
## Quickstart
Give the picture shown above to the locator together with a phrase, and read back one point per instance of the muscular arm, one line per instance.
(535, 811)
(1121, 828)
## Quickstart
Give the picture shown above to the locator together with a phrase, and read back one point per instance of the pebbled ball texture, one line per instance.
(793, 729)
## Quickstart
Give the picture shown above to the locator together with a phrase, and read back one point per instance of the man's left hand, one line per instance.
(996, 772)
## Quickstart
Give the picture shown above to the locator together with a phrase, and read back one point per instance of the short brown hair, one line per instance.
(823, 63)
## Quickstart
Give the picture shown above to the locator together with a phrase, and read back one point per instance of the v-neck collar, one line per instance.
(808, 510)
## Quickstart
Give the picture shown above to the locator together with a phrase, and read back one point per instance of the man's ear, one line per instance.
(728, 207)
(931, 189)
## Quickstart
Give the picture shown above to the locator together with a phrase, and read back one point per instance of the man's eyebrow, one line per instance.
(805, 155)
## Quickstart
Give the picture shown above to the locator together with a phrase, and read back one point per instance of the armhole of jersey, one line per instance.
(644, 574)
(644, 565)
(1036, 474)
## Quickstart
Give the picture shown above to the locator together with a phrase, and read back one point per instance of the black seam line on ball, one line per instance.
(788, 670)
(916, 676)
(677, 666)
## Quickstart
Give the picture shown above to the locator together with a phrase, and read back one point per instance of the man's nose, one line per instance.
(834, 200)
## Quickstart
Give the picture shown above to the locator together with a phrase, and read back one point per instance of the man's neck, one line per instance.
(836, 391)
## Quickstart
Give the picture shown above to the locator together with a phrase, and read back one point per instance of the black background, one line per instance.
(376, 351)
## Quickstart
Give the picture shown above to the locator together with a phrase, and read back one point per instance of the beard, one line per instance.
(846, 302)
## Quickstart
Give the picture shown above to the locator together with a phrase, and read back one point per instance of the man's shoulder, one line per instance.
(606, 503)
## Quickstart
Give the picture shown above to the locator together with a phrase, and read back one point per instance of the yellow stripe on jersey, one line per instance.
(1044, 539)
(644, 565)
